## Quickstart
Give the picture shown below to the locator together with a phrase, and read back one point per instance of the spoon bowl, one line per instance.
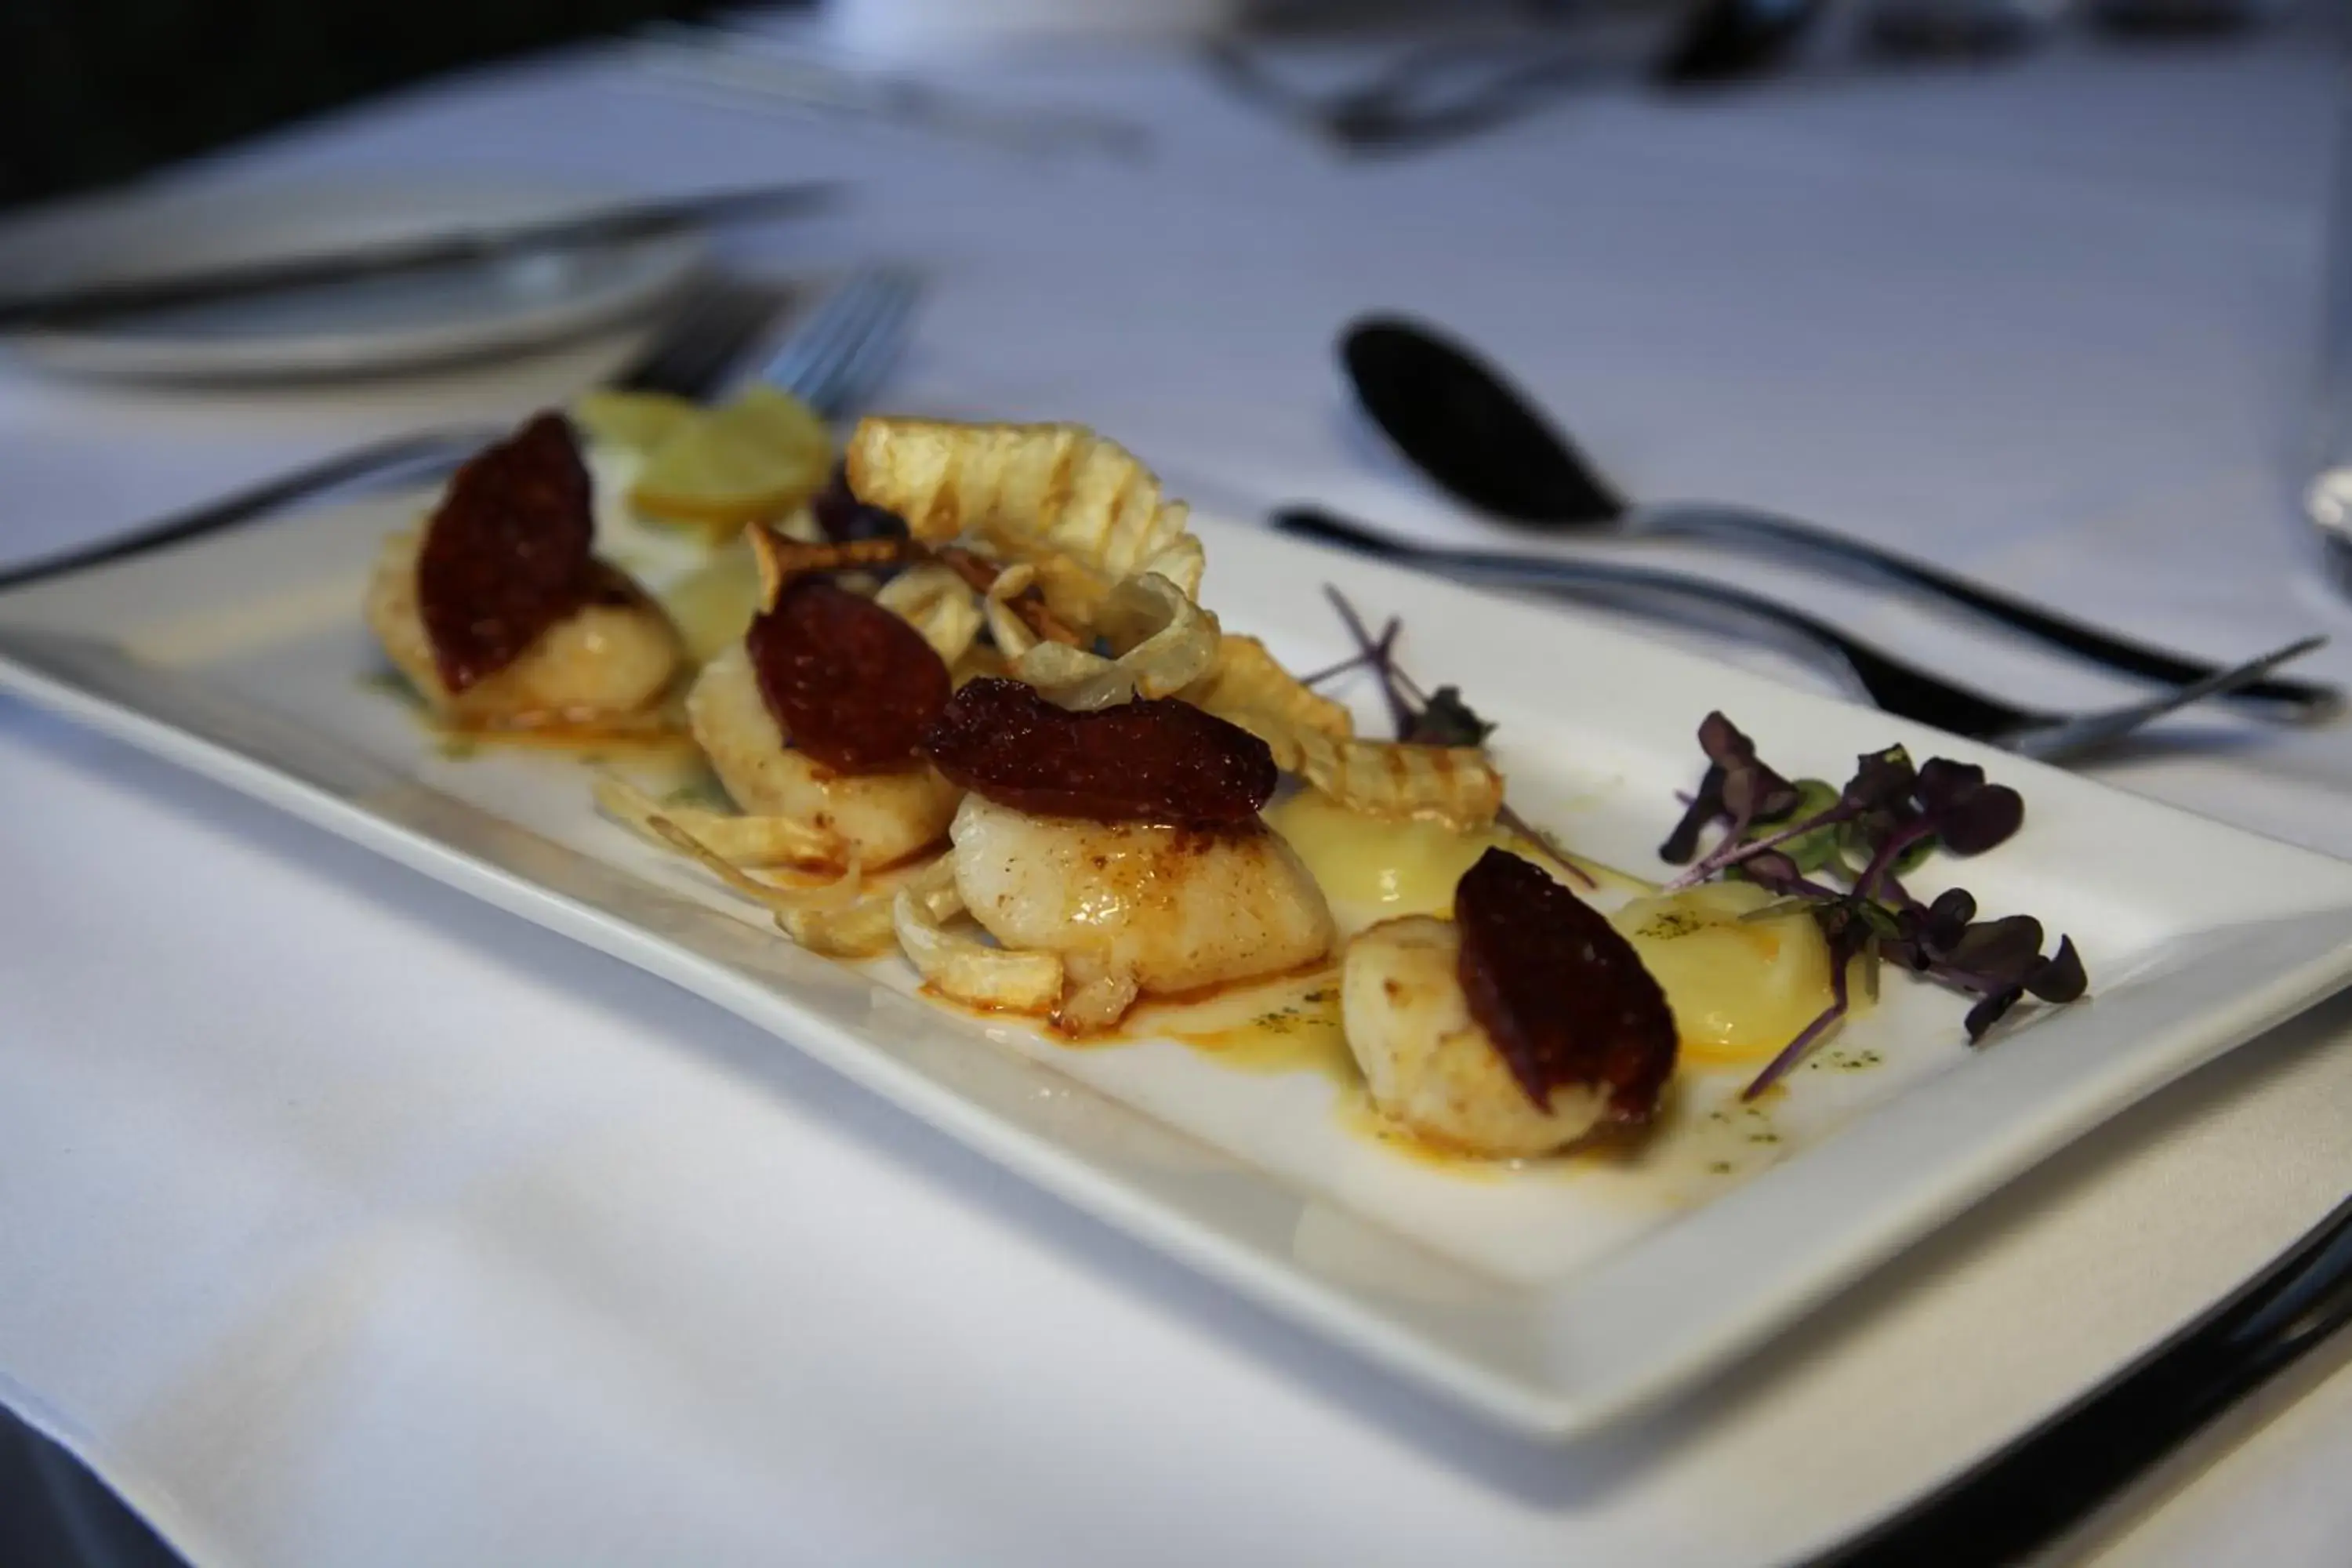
(1457, 420)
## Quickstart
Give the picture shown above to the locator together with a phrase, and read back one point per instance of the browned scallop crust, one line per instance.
(1564, 998)
(1158, 761)
(506, 555)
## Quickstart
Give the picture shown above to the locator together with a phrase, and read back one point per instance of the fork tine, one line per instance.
(864, 361)
(820, 392)
(2083, 732)
(814, 345)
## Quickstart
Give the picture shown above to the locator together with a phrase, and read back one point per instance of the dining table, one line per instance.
(349, 1221)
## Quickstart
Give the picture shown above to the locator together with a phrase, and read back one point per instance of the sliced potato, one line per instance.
(937, 602)
(714, 603)
(752, 459)
(1740, 988)
(639, 421)
(1035, 492)
(717, 837)
(1457, 785)
(1313, 737)
(1247, 686)
(926, 915)
(1168, 642)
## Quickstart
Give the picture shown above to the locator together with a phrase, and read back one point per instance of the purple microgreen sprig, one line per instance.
(1738, 788)
(1870, 833)
(1445, 720)
(1970, 815)
(1810, 848)
(2000, 961)
(1438, 718)
(1855, 929)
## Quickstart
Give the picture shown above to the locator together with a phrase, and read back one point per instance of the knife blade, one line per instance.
(608, 224)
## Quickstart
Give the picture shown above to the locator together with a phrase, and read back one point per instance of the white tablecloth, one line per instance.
(349, 1223)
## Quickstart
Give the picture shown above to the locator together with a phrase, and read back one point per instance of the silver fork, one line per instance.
(830, 360)
(2065, 737)
(1891, 683)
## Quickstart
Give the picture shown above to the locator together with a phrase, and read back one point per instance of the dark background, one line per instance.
(93, 91)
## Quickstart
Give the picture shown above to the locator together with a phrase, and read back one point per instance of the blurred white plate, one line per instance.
(1552, 1297)
(366, 326)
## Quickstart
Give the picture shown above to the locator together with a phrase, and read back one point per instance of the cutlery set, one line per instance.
(1434, 93)
(1482, 441)
(1438, 92)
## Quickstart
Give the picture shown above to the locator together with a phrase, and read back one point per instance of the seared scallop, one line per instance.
(1138, 908)
(879, 818)
(1429, 1064)
(614, 656)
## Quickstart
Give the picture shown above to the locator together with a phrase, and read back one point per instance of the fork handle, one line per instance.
(1898, 687)
(258, 501)
(1743, 525)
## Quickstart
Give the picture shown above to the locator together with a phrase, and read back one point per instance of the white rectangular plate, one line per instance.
(1551, 1298)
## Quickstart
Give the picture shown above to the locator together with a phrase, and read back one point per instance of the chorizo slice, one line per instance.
(1160, 761)
(506, 553)
(1565, 999)
(849, 683)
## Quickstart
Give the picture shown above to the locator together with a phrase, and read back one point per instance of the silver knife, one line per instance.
(602, 225)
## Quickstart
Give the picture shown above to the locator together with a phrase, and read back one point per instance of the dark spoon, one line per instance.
(1479, 438)
(1728, 40)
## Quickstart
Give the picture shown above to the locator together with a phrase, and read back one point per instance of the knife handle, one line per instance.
(2028, 1494)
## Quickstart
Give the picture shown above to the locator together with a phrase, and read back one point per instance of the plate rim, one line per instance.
(660, 265)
